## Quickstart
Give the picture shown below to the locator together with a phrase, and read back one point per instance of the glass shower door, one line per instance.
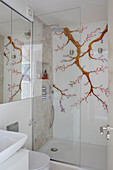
(94, 89)
(57, 76)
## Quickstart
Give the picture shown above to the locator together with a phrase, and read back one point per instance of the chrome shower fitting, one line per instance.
(108, 129)
(49, 26)
(102, 128)
(44, 92)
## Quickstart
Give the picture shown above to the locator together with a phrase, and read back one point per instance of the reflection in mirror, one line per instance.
(5, 52)
(15, 56)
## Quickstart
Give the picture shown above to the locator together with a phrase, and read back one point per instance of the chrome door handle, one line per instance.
(108, 129)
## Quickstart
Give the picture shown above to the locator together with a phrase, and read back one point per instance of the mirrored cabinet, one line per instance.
(15, 55)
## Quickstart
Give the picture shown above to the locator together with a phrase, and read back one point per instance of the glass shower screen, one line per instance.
(57, 76)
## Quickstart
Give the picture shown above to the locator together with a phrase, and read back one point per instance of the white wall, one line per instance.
(19, 111)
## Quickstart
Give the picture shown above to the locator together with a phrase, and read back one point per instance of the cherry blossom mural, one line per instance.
(89, 63)
(17, 69)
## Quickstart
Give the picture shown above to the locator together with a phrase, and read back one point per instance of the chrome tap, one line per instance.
(108, 129)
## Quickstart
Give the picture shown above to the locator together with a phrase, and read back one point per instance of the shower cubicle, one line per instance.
(70, 88)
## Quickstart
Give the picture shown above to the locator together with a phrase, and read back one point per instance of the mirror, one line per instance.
(15, 56)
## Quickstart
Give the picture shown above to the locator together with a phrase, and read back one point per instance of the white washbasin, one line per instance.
(10, 142)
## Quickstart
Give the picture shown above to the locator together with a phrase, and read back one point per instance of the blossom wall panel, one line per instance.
(81, 81)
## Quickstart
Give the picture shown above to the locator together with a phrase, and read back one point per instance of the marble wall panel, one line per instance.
(42, 109)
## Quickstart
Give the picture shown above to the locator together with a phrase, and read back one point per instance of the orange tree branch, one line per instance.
(68, 34)
(96, 40)
(17, 48)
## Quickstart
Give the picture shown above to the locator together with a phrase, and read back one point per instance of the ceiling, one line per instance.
(91, 10)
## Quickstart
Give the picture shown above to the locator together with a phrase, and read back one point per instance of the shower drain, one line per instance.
(54, 149)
